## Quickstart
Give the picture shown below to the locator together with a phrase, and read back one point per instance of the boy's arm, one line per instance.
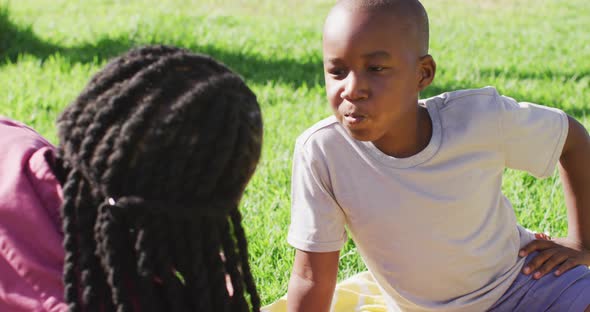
(575, 176)
(312, 282)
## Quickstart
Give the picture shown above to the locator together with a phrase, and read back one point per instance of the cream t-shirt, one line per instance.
(434, 229)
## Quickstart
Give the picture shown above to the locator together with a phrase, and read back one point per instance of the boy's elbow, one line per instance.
(302, 282)
(306, 278)
(305, 294)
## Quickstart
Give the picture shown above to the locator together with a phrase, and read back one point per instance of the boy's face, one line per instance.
(373, 73)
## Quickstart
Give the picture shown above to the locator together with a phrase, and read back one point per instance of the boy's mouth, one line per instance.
(354, 118)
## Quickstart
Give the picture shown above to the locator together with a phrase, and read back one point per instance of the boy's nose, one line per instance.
(355, 88)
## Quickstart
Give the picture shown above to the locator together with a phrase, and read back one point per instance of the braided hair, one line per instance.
(154, 156)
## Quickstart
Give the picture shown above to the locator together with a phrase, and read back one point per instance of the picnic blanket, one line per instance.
(358, 293)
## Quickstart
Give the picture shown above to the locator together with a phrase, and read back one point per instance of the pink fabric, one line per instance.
(31, 252)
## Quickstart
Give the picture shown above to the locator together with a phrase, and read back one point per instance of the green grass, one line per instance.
(532, 50)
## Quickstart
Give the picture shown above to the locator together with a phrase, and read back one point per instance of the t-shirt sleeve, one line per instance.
(533, 136)
(317, 221)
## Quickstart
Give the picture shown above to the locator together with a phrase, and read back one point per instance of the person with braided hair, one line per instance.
(136, 208)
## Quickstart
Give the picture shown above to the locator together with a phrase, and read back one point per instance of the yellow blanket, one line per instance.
(358, 293)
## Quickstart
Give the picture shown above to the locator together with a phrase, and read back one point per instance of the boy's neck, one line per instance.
(411, 136)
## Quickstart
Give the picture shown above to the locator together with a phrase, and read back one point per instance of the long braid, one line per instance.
(233, 269)
(159, 147)
(166, 271)
(70, 277)
(244, 130)
(91, 273)
(236, 219)
(212, 248)
(199, 278)
(181, 261)
(109, 245)
(145, 265)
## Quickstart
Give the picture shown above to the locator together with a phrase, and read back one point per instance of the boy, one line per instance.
(418, 184)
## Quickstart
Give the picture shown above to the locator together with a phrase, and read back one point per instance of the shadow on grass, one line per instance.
(276, 71)
(16, 40)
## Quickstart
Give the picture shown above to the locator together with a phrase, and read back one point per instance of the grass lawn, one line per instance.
(531, 50)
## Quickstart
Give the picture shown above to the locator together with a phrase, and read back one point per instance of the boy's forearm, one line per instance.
(575, 174)
(305, 295)
(312, 282)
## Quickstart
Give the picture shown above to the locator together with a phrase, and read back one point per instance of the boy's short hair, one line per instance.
(412, 11)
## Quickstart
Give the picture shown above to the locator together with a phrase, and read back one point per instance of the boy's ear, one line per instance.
(427, 70)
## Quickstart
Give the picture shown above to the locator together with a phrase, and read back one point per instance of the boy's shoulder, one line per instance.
(485, 95)
(322, 130)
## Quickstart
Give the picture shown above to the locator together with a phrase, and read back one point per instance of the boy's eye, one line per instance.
(376, 68)
(336, 72)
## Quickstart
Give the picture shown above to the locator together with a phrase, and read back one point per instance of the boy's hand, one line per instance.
(560, 252)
